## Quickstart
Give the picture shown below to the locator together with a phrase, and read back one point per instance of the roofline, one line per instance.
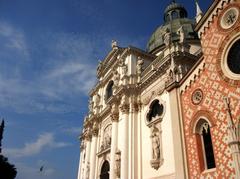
(191, 70)
(206, 15)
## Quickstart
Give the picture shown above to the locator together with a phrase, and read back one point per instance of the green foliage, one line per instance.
(7, 170)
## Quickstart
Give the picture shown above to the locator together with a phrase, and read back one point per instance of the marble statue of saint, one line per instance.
(181, 34)
(156, 146)
(116, 78)
(114, 44)
(124, 69)
(167, 37)
(139, 65)
(97, 99)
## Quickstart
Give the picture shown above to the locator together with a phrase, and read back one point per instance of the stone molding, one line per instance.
(209, 20)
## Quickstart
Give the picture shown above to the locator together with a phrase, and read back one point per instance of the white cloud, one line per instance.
(64, 74)
(73, 130)
(44, 141)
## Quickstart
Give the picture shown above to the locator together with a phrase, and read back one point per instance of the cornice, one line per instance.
(192, 75)
(213, 11)
(137, 52)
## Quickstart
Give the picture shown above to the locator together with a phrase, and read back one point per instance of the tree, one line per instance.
(7, 170)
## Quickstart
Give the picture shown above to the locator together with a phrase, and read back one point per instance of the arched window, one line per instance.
(156, 109)
(233, 58)
(174, 15)
(204, 144)
(109, 90)
(105, 170)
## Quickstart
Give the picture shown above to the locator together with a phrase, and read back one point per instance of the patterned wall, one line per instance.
(214, 86)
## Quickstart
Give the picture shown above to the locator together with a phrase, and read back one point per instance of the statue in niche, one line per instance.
(167, 37)
(116, 78)
(107, 138)
(155, 146)
(139, 65)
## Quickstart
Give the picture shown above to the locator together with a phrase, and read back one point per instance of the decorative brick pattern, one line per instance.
(214, 87)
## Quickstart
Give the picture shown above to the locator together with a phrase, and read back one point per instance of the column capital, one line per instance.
(114, 113)
(124, 108)
(95, 129)
(114, 117)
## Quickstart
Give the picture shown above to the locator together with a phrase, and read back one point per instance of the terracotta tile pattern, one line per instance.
(215, 86)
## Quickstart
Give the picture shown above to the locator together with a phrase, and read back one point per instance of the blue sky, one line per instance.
(48, 57)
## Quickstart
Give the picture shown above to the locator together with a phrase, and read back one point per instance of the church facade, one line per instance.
(173, 110)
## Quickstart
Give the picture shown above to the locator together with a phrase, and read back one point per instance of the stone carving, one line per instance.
(233, 137)
(155, 146)
(118, 163)
(97, 100)
(106, 143)
(124, 104)
(157, 158)
(99, 67)
(114, 112)
(181, 34)
(87, 170)
(167, 37)
(124, 70)
(90, 106)
(116, 78)
(114, 44)
(139, 65)
(95, 129)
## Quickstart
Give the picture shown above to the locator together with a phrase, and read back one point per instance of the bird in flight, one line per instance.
(41, 169)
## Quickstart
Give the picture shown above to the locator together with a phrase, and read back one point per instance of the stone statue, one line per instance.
(181, 34)
(90, 106)
(156, 146)
(139, 65)
(116, 78)
(97, 100)
(124, 69)
(99, 67)
(167, 37)
(114, 44)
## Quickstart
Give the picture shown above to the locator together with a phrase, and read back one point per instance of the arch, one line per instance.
(156, 109)
(105, 170)
(109, 90)
(202, 114)
(204, 145)
(174, 15)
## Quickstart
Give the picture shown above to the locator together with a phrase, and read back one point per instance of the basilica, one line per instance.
(172, 110)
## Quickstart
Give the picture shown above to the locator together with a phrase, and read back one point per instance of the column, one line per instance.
(177, 134)
(87, 159)
(124, 153)
(93, 153)
(80, 161)
(113, 146)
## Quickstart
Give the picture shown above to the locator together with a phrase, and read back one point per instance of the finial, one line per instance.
(199, 12)
(114, 44)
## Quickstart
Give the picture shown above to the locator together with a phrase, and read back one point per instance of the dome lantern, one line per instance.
(174, 11)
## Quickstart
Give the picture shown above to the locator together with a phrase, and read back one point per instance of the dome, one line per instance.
(175, 17)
